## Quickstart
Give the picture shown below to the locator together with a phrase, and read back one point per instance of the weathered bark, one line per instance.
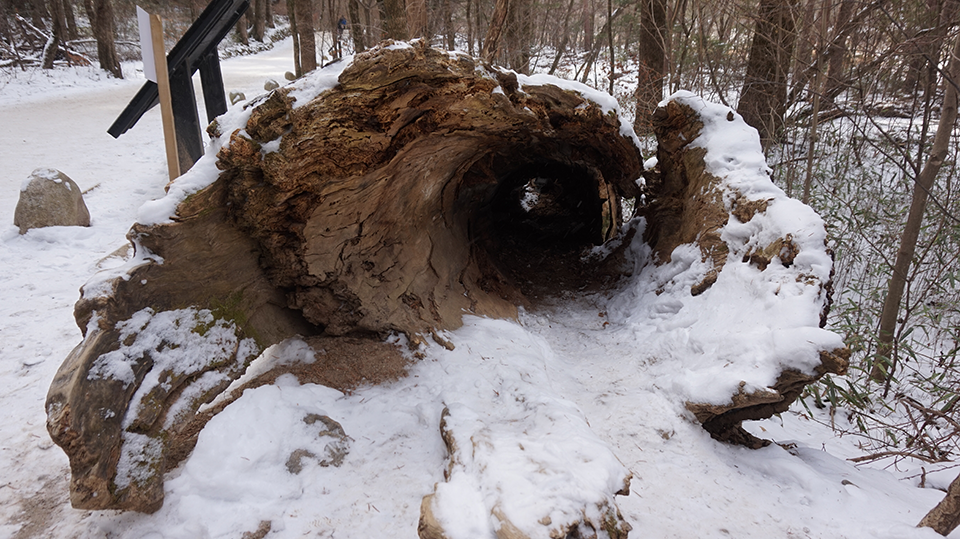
(764, 97)
(945, 517)
(886, 358)
(307, 38)
(651, 63)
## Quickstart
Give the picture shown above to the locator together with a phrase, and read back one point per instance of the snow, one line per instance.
(601, 380)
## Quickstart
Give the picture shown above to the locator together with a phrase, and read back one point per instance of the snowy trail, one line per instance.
(687, 485)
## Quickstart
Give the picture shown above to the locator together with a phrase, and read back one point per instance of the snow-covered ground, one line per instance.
(583, 350)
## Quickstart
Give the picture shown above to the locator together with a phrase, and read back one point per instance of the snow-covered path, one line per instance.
(685, 484)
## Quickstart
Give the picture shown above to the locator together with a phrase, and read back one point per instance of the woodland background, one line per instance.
(855, 102)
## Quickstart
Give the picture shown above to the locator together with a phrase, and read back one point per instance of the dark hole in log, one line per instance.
(537, 223)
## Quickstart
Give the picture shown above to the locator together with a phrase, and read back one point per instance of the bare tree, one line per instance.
(885, 364)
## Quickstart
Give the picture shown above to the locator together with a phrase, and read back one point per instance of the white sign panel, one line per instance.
(146, 45)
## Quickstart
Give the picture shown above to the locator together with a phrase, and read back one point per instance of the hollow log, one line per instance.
(419, 187)
(385, 204)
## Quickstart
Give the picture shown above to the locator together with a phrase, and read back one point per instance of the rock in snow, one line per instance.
(49, 197)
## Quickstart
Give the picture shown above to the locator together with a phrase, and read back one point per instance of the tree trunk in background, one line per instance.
(268, 12)
(56, 36)
(100, 13)
(651, 62)
(417, 18)
(294, 33)
(763, 100)
(394, 16)
(5, 32)
(491, 43)
(71, 20)
(449, 32)
(885, 363)
(356, 27)
(518, 36)
(307, 37)
(259, 19)
(837, 52)
(586, 22)
(38, 12)
(470, 30)
(242, 35)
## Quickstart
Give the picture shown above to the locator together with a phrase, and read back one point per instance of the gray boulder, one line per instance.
(49, 197)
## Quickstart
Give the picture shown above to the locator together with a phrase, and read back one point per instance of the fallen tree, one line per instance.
(415, 188)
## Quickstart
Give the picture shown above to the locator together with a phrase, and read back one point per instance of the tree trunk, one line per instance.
(763, 100)
(56, 36)
(945, 517)
(885, 363)
(491, 43)
(518, 35)
(356, 27)
(101, 17)
(71, 20)
(268, 14)
(295, 34)
(394, 16)
(651, 62)
(242, 35)
(837, 51)
(416, 18)
(587, 17)
(259, 19)
(469, 27)
(449, 32)
(307, 37)
(38, 12)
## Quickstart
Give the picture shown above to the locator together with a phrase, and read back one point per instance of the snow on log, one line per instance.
(401, 192)
(373, 197)
(740, 282)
